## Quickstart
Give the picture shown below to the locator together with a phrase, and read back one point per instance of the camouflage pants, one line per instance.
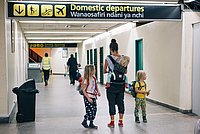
(140, 103)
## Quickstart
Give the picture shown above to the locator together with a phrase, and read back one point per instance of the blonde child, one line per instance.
(90, 92)
(140, 100)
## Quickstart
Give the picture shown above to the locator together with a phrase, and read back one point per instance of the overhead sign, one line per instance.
(93, 11)
(51, 45)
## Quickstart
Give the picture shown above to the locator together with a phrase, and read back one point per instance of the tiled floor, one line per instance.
(60, 110)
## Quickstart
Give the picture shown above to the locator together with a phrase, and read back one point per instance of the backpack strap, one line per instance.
(88, 82)
(140, 87)
(111, 58)
(95, 80)
(95, 86)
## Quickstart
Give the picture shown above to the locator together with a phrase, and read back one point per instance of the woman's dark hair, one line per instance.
(113, 45)
(46, 54)
(113, 41)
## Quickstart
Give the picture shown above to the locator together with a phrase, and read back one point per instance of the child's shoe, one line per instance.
(137, 120)
(111, 124)
(92, 126)
(107, 85)
(84, 123)
(120, 124)
(144, 119)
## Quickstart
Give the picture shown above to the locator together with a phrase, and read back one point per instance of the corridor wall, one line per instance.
(13, 63)
(167, 57)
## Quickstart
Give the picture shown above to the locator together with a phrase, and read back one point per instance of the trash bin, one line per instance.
(26, 95)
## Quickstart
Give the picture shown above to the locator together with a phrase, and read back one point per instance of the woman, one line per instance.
(115, 93)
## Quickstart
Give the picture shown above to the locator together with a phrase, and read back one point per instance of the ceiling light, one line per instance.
(84, 26)
(62, 32)
(67, 26)
(188, 1)
(56, 38)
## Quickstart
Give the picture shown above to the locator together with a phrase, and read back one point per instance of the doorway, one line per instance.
(88, 56)
(91, 56)
(101, 66)
(138, 55)
(95, 62)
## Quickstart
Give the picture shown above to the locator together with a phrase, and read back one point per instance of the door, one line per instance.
(76, 55)
(91, 56)
(196, 70)
(95, 62)
(88, 59)
(139, 55)
(101, 65)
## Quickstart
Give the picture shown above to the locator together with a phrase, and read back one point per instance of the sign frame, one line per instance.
(103, 11)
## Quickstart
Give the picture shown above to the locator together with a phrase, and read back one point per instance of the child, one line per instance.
(90, 92)
(124, 62)
(140, 100)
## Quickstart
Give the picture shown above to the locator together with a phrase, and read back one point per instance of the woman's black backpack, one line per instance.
(118, 74)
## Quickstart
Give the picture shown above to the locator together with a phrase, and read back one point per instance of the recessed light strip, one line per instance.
(61, 32)
(56, 38)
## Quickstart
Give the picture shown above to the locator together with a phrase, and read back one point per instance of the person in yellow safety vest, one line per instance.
(46, 67)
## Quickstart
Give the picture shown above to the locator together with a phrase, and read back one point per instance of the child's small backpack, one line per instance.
(79, 87)
(132, 88)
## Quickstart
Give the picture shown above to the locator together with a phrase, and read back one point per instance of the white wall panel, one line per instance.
(196, 70)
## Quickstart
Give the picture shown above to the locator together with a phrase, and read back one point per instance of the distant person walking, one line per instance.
(46, 67)
(73, 67)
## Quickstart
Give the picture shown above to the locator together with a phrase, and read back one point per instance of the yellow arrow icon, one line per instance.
(19, 10)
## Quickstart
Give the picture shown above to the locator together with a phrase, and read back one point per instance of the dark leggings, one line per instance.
(115, 98)
(90, 108)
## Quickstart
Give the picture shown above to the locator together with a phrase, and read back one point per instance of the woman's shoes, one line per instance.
(111, 124)
(120, 124)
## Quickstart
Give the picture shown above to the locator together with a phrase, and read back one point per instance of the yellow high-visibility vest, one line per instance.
(46, 63)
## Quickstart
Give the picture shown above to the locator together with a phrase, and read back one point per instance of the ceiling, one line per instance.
(64, 31)
(44, 31)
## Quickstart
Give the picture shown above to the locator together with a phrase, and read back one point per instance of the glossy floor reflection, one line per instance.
(60, 110)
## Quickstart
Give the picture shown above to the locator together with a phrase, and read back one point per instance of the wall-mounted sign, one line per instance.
(51, 45)
(93, 11)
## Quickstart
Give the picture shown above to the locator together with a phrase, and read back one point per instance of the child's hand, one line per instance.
(90, 100)
(148, 92)
(99, 94)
